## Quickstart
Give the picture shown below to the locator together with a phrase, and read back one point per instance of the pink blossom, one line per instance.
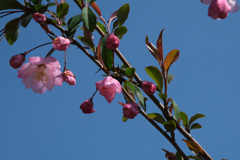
(69, 77)
(112, 42)
(41, 74)
(219, 9)
(17, 60)
(87, 106)
(148, 87)
(60, 43)
(130, 110)
(38, 17)
(108, 88)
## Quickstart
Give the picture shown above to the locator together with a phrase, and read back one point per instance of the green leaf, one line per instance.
(120, 31)
(171, 57)
(89, 19)
(122, 14)
(195, 126)
(193, 146)
(138, 93)
(37, 2)
(195, 117)
(107, 57)
(124, 119)
(170, 78)
(74, 21)
(131, 92)
(184, 118)
(157, 117)
(12, 30)
(51, 4)
(87, 42)
(130, 71)
(10, 4)
(102, 27)
(156, 75)
(170, 126)
(62, 10)
(176, 110)
(179, 157)
(26, 19)
(163, 96)
(140, 97)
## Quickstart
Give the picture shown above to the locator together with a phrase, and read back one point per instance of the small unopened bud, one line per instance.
(112, 42)
(148, 87)
(87, 106)
(130, 110)
(17, 60)
(38, 17)
(69, 77)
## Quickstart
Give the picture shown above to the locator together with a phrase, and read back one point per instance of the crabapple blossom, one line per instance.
(69, 77)
(108, 88)
(41, 74)
(60, 43)
(38, 17)
(87, 106)
(148, 87)
(130, 110)
(219, 9)
(112, 42)
(17, 60)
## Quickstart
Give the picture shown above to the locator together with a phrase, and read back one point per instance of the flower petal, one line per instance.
(53, 62)
(21, 71)
(37, 60)
(234, 6)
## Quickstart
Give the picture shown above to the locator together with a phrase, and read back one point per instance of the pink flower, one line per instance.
(108, 88)
(112, 42)
(17, 60)
(60, 43)
(219, 9)
(41, 74)
(38, 17)
(148, 87)
(69, 77)
(130, 110)
(87, 106)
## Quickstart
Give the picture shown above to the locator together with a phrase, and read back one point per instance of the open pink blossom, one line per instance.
(69, 77)
(148, 87)
(108, 88)
(41, 74)
(130, 110)
(87, 106)
(60, 43)
(38, 17)
(17, 60)
(112, 42)
(219, 9)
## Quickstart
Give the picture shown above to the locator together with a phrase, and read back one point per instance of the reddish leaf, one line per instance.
(87, 33)
(96, 8)
(112, 17)
(153, 50)
(121, 103)
(170, 155)
(193, 146)
(99, 55)
(159, 46)
(172, 56)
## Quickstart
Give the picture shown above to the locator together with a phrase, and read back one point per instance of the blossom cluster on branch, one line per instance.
(42, 74)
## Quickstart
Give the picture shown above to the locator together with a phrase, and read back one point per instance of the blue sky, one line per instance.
(51, 126)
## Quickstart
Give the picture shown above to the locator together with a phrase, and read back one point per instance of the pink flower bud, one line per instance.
(148, 87)
(17, 60)
(69, 77)
(108, 88)
(112, 42)
(130, 110)
(87, 107)
(38, 17)
(60, 43)
(219, 9)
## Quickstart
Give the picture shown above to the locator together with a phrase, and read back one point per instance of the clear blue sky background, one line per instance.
(52, 127)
